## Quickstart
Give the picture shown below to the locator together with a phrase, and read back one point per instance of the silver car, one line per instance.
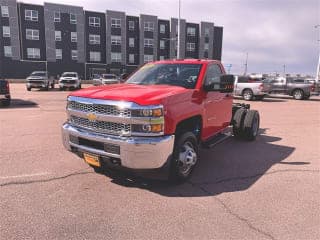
(249, 88)
(39, 79)
(106, 79)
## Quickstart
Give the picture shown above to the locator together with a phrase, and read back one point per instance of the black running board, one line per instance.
(219, 138)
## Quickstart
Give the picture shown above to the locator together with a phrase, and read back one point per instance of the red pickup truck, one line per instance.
(157, 119)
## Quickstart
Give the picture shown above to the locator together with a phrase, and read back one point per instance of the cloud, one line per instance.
(273, 32)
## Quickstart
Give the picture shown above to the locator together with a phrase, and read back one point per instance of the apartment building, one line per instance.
(59, 38)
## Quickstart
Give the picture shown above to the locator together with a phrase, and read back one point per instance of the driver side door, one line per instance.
(217, 105)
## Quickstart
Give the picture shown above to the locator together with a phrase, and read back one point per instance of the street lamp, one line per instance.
(178, 47)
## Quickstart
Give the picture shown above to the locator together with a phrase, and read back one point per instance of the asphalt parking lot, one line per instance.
(267, 189)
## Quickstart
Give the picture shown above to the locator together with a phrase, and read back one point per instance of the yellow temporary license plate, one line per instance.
(92, 159)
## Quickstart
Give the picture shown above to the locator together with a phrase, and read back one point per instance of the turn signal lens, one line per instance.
(157, 112)
(155, 128)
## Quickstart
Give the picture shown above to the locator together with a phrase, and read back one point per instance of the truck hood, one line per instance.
(35, 78)
(140, 94)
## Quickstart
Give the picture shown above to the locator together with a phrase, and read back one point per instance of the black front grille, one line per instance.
(36, 81)
(68, 81)
(107, 147)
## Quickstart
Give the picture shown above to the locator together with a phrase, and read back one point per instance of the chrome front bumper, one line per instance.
(4, 96)
(40, 84)
(135, 152)
(74, 85)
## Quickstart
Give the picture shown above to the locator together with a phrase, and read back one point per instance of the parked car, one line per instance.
(96, 79)
(298, 88)
(249, 88)
(157, 119)
(109, 79)
(69, 80)
(5, 97)
(40, 80)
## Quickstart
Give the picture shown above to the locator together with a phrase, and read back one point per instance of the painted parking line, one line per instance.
(25, 175)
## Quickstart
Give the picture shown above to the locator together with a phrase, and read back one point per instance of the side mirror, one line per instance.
(225, 85)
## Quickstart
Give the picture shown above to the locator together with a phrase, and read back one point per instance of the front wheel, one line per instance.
(28, 88)
(185, 157)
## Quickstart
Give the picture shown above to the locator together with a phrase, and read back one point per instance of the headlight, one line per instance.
(149, 112)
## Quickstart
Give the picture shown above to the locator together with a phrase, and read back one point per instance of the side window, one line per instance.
(213, 74)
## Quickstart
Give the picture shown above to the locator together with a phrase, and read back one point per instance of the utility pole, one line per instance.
(246, 65)
(284, 70)
(178, 45)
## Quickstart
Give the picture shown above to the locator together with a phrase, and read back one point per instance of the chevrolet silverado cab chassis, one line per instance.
(157, 120)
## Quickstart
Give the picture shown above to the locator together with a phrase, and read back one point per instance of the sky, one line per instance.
(274, 33)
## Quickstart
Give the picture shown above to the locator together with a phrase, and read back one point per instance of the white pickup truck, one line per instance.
(249, 88)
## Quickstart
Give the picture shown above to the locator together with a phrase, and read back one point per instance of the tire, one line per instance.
(306, 97)
(251, 125)
(237, 125)
(61, 88)
(247, 95)
(184, 157)
(52, 85)
(298, 94)
(79, 86)
(5, 102)
(29, 89)
(46, 88)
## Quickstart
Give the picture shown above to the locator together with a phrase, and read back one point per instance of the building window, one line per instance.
(7, 51)
(162, 44)
(161, 58)
(131, 25)
(95, 56)
(148, 42)
(94, 21)
(5, 31)
(74, 54)
(162, 28)
(57, 17)
(74, 37)
(148, 58)
(191, 47)
(115, 23)
(206, 46)
(131, 42)
(115, 40)
(31, 15)
(4, 11)
(32, 34)
(57, 35)
(33, 53)
(73, 18)
(94, 39)
(207, 32)
(131, 58)
(115, 57)
(58, 53)
(149, 26)
(191, 31)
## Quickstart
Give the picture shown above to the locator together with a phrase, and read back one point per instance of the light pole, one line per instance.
(284, 70)
(246, 65)
(318, 66)
(178, 47)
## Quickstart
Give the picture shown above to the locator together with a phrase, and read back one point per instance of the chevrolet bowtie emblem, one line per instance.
(92, 117)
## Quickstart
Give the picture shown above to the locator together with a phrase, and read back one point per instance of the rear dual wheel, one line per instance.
(246, 124)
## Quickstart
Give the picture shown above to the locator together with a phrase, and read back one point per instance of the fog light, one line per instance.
(156, 128)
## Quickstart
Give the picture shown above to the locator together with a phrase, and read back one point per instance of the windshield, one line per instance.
(184, 75)
(69, 75)
(38, 74)
(109, 76)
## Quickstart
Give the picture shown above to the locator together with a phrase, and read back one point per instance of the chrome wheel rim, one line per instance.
(298, 94)
(187, 158)
(247, 95)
